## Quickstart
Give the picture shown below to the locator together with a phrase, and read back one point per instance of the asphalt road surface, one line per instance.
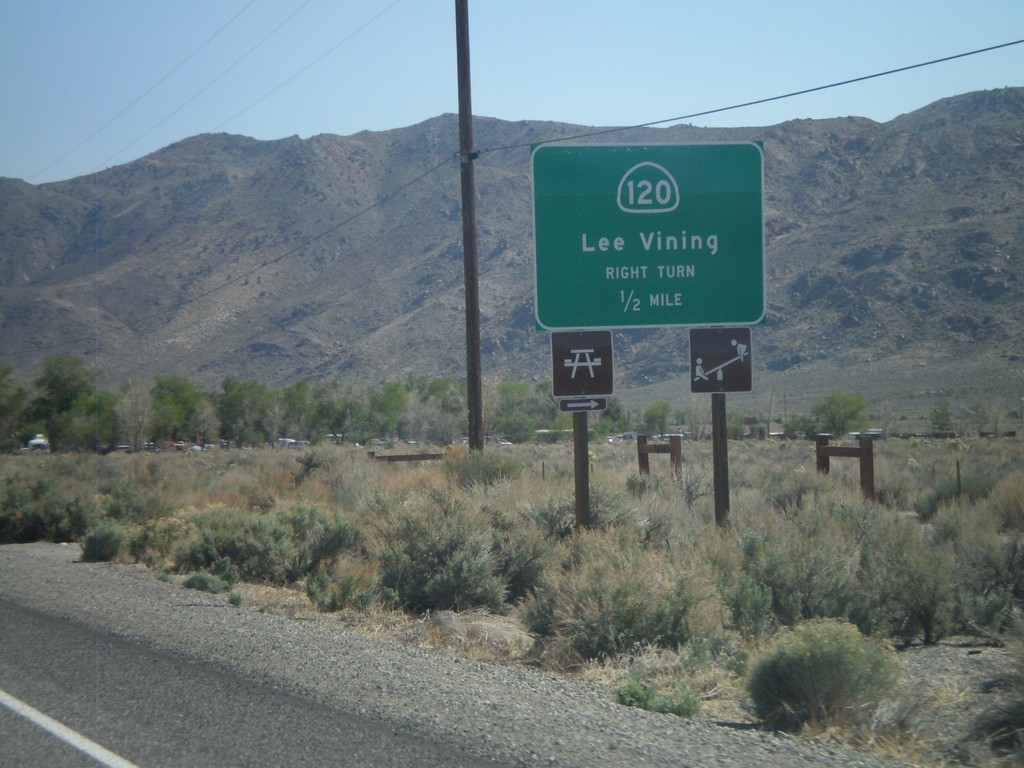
(154, 709)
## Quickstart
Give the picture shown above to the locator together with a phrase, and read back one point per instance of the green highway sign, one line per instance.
(648, 235)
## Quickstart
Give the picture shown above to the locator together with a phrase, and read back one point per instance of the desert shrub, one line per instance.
(127, 504)
(206, 582)
(34, 509)
(70, 521)
(989, 572)
(523, 555)
(750, 604)
(155, 541)
(913, 577)
(441, 562)
(314, 460)
(481, 468)
(819, 672)
(606, 508)
(969, 488)
(615, 597)
(21, 518)
(1006, 502)
(706, 652)
(347, 585)
(104, 542)
(556, 516)
(225, 570)
(811, 571)
(258, 547)
(317, 537)
(267, 548)
(640, 485)
(990, 579)
(787, 489)
(681, 700)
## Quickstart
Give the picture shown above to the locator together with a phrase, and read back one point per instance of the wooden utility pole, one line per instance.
(474, 385)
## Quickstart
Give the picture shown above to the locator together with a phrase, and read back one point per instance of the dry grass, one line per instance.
(654, 533)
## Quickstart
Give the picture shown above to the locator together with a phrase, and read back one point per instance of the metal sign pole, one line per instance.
(720, 458)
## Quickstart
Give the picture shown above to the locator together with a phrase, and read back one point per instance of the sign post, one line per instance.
(720, 363)
(582, 367)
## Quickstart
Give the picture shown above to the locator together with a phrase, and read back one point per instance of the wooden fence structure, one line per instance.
(674, 449)
(404, 456)
(864, 451)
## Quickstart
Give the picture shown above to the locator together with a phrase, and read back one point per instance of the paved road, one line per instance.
(168, 676)
(154, 709)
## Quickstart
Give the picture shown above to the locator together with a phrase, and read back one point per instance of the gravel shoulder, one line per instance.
(507, 712)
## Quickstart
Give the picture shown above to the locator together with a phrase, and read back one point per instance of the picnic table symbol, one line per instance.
(701, 375)
(586, 362)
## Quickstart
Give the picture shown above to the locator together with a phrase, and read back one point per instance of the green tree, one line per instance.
(447, 417)
(243, 408)
(618, 414)
(387, 407)
(298, 406)
(656, 417)
(522, 409)
(13, 411)
(134, 412)
(942, 418)
(101, 430)
(838, 413)
(798, 424)
(331, 406)
(175, 402)
(66, 405)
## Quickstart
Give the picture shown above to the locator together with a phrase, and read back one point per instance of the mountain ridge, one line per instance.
(889, 247)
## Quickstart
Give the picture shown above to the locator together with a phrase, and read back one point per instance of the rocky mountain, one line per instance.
(893, 258)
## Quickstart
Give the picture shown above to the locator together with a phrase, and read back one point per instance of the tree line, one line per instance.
(65, 403)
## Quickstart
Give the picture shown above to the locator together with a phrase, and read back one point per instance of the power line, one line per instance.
(146, 93)
(210, 84)
(311, 64)
(756, 102)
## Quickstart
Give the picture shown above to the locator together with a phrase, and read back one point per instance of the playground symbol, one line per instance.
(720, 360)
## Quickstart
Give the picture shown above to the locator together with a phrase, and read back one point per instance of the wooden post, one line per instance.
(581, 458)
(643, 462)
(867, 467)
(675, 455)
(820, 444)
(720, 458)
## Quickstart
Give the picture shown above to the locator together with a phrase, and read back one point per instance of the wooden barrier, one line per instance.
(865, 451)
(405, 456)
(674, 449)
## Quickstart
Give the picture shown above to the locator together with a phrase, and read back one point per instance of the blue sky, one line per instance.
(87, 84)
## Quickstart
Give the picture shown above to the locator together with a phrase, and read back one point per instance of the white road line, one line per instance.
(62, 732)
